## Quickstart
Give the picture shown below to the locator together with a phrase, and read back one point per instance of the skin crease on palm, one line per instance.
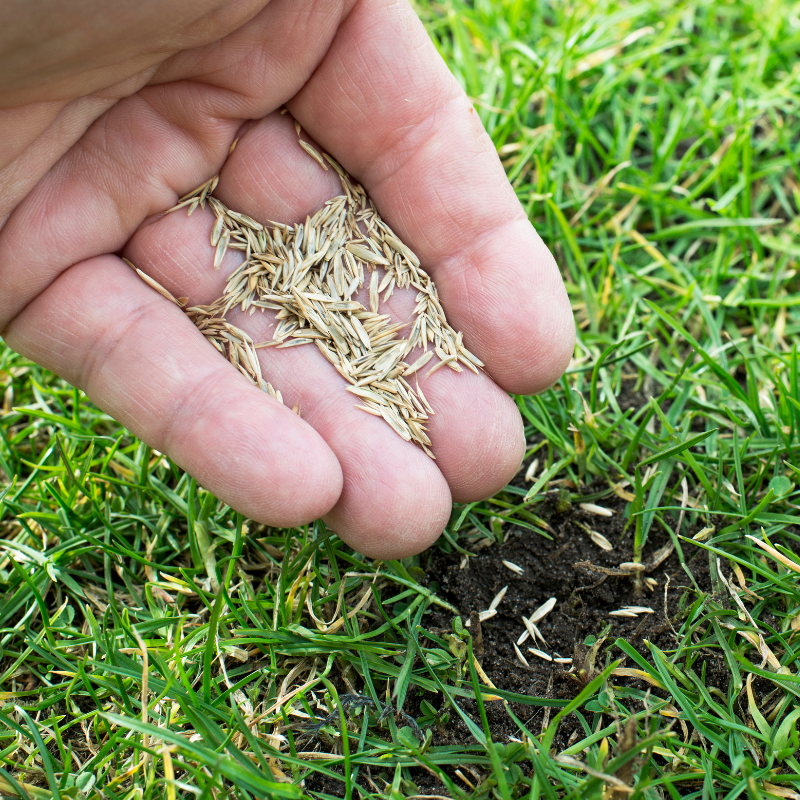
(110, 110)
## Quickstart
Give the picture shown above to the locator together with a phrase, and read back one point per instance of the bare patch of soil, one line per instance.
(582, 577)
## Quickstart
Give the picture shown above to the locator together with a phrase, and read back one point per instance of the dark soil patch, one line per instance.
(557, 567)
(568, 567)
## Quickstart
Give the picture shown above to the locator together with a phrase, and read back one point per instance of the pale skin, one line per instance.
(111, 110)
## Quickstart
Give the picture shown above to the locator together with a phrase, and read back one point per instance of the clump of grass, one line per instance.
(154, 643)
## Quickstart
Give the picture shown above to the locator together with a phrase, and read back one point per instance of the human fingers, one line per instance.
(57, 52)
(394, 500)
(476, 432)
(151, 147)
(141, 360)
(383, 102)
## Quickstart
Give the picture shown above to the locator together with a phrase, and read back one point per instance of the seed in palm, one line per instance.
(309, 273)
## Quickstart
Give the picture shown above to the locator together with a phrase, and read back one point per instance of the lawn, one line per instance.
(156, 644)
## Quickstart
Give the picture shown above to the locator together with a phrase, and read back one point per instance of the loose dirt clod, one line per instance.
(309, 273)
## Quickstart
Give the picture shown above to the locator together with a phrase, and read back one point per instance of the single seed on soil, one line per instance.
(465, 779)
(531, 471)
(540, 654)
(514, 567)
(595, 509)
(238, 653)
(632, 566)
(622, 613)
(600, 540)
(563, 660)
(498, 598)
(543, 610)
(532, 631)
(488, 614)
(520, 656)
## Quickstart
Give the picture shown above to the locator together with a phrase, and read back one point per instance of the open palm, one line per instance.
(93, 164)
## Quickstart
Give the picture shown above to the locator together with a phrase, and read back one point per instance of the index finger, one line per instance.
(384, 103)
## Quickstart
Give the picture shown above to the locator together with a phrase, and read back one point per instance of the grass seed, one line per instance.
(543, 610)
(309, 273)
(498, 598)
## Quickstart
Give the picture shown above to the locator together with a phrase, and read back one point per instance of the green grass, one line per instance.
(151, 638)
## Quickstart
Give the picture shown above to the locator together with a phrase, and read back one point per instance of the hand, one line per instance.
(108, 119)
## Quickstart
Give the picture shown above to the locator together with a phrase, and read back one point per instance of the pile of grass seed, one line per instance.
(310, 274)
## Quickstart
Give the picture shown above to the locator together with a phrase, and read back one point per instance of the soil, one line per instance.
(569, 567)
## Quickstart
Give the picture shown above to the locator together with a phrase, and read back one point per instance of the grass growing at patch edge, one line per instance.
(155, 644)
